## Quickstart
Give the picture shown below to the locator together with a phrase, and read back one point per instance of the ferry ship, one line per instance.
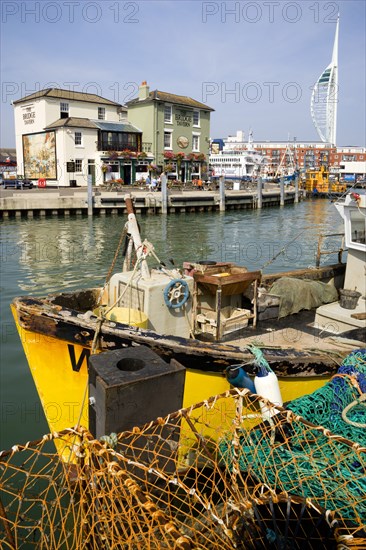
(237, 160)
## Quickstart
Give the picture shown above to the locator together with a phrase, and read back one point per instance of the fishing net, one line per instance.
(340, 405)
(297, 294)
(212, 476)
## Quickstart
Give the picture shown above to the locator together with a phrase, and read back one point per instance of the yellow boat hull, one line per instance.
(60, 373)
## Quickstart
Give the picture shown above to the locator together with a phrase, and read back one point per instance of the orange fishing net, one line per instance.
(215, 475)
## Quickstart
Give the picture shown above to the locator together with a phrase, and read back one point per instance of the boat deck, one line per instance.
(299, 332)
(338, 319)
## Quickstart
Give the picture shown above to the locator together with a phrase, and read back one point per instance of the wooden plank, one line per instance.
(249, 276)
(359, 316)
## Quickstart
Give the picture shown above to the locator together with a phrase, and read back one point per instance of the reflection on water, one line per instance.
(50, 254)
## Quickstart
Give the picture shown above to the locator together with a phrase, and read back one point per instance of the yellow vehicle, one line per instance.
(317, 181)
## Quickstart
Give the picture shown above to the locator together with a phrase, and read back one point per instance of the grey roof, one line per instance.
(71, 122)
(157, 95)
(117, 127)
(8, 153)
(77, 122)
(58, 93)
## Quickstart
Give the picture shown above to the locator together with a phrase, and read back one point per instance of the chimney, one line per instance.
(144, 90)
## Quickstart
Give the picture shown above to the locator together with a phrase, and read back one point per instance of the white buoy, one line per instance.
(268, 387)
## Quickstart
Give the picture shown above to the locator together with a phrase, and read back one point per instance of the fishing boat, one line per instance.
(287, 168)
(319, 184)
(205, 315)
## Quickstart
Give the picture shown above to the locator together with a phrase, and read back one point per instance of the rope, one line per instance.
(110, 271)
(120, 296)
(259, 360)
(283, 249)
(359, 401)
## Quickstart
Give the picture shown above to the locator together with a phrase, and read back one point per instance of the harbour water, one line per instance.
(54, 254)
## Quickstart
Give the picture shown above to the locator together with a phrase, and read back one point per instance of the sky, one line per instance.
(254, 62)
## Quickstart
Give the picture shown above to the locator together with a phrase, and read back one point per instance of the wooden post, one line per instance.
(222, 193)
(90, 195)
(259, 193)
(282, 191)
(194, 307)
(218, 313)
(255, 296)
(164, 194)
(296, 188)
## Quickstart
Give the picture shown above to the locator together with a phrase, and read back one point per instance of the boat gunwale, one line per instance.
(42, 315)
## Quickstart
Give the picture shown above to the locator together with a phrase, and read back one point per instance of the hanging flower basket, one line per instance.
(179, 156)
(169, 155)
(200, 157)
(127, 154)
(141, 155)
(169, 167)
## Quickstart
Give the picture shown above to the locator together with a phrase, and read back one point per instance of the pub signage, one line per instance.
(29, 116)
(183, 119)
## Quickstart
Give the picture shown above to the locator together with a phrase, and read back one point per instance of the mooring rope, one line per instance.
(110, 271)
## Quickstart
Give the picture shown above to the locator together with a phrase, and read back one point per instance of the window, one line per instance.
(64, 110)
(101, 113)
(117, 141)
(196, 118)
(167, 140)
(78, 138)
(168, 114)
(195, 143)
(78, 165)
(114, 167)
(357, 227)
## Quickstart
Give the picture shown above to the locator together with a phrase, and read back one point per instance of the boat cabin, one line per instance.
(350, 311)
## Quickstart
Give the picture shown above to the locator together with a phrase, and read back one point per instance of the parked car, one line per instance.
(17, 184)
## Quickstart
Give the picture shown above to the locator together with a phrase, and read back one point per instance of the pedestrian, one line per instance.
(148, 181)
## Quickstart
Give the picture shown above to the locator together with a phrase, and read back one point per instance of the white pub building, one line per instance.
(63, 136)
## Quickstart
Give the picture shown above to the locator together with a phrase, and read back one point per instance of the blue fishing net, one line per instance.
(302, 459)
(325, 406)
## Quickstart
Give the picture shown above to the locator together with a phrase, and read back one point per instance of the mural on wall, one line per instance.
(39, 152)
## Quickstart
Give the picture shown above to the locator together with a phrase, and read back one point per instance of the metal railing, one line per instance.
(321, 252)
(115, 146)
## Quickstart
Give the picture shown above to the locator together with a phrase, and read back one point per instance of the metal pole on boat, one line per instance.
(90, 195)
(222, 193)
(282, 191)
(296, 188)
(259, 193)
(133, 230)
(164, 193)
